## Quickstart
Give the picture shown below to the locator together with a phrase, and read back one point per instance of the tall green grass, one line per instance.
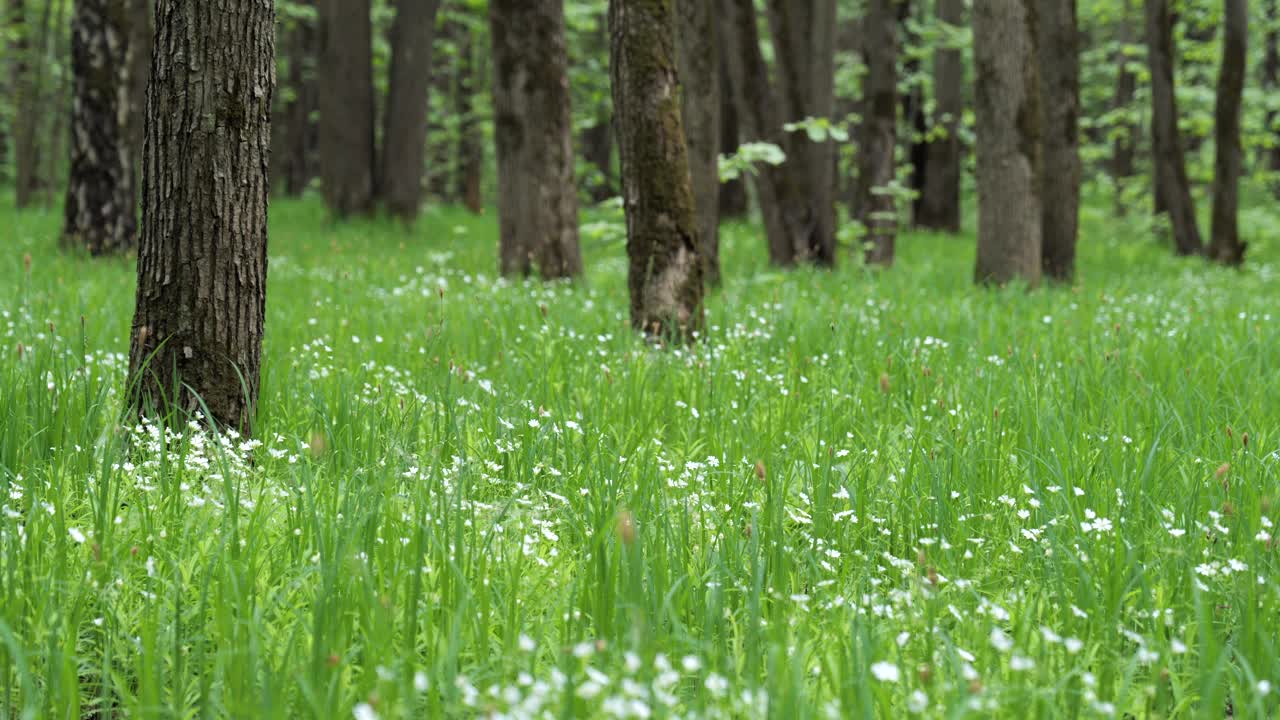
(866, 494)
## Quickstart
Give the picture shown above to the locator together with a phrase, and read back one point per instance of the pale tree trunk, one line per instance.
(99, 209)
(404, 136)
(1225, 245)
(202, 261)
(699, 60)
(346, 107)
(1173, 189)
(1060, 101)
(665, 276)
(939, 207)
(877, 166)
(533, 129)
(1007, 101)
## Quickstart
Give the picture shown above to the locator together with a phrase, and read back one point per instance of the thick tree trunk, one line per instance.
(1124, 145)
(733, 194)
(404, 136)
(1173, 189)
(877, 165)
(202, 262)
(1060, 101)
(699, 60)
(346, 107)
(939, 207)
(99, 209)
(1007, 100)
(793, 225)
(533, 129)
(296, 163)
(1225, 246)
(665, 276)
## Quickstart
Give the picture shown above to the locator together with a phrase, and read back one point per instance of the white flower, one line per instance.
(527, 644)
(1001, 641)
(1073, 645)
(1264, 688)
(918, 702)
(886, 672)
(364, 711)
(716, 684)
(1021, 663)
(420, 682)
(1177, 647)
(76, 534)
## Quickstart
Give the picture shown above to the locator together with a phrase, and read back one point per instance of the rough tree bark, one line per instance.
(202, 261)
(1060, 102)
(404, 134)
(533, 130)
(795, 203)
(1225, 245)
(877, 165)
(665, 275)
(99, 209)
(1173, 189)
(699, 60)
(939, 207)
(1007, 102)
(346, 107)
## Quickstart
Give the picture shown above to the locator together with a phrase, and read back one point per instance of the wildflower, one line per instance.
(76, 535)
(886, 672)
(364, 711)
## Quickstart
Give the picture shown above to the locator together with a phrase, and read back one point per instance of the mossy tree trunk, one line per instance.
(346, 107)
(877, 164)
(100, 213)
(1225, 245)
(1173, 189)
(1007, 100)
(533, 130)
(202, 260)
(699, 60)
(404, 135)
(665, 275)
(1060, 100)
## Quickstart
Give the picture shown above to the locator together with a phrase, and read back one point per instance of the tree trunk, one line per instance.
(1007, 100)
(733, 194)
(1060, 101)
(597, 149)
(665, 276)
(26, 144)
(939, 207)
(202, 262)
(792, 224)
(1271, 85)
(1127, 133)
(197, 329)
(914, 121)
(404, 135)
(141, 39)
(441, 127)
(99, 209)
(1172, 186)
(877, 166)
(470, 135)
(804, 35)
(533, 129)
(296, 162)
(1225, 246)
(699, 60)
(346, 107)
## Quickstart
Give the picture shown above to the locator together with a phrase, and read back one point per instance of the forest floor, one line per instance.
(866, 494)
